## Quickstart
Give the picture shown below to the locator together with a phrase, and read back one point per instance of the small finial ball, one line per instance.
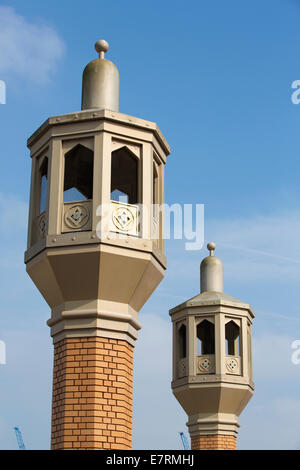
(211, 246)
(101, 46)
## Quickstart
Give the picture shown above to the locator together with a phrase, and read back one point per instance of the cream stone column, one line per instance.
(55, 188)
(192, 348)
(161, 200)
(219, 344)
(245, 349)
(99, 146)
(146, 167)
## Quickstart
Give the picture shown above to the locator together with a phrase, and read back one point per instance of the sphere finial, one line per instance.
(101, 47)
(211, 246)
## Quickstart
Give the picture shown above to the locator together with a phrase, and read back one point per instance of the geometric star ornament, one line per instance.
(77, 216)
(123, 218)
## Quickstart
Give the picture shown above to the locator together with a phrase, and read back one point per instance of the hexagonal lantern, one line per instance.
(95, 242)
(212, 359)
(95, 174)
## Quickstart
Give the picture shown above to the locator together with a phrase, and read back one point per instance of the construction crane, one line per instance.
(19, 439)
(184, 440)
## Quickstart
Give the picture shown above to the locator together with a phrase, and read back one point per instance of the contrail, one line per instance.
(277, 315)
(259, 252)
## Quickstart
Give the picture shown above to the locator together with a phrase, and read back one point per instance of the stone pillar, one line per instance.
(92, 394)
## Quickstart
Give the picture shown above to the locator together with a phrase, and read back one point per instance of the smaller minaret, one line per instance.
(212, 359)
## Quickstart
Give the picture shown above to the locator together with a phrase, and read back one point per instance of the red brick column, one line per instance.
(92, 394)
(213, 442)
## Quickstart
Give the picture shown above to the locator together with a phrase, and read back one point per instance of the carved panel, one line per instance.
(77, 216)
(182, 368)
(42, 225)
(124, 218)
(233, 365)
(206, 364)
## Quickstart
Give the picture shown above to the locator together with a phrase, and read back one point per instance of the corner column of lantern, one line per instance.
(92, 255)
(212, 363)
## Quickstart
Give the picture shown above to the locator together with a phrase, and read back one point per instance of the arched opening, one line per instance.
(249, 351)
(232, 334)
(44, 184)
(78, 181)
(124, 176)
(182, 341)
(155, 200)
(205, 338)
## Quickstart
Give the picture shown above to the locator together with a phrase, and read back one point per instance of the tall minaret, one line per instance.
(96, 253)
(212, 360)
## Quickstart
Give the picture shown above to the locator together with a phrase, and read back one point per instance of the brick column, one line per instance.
(92, 394)
(213, 442)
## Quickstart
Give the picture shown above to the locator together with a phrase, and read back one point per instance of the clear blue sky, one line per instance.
(216, 76)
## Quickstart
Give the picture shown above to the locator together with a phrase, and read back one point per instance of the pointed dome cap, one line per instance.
(211, 272)
(100, 82)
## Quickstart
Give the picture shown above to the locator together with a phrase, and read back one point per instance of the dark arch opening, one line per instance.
(205, 338)
(232, 333)
(78, 180)
(124, 176)
(182, 341)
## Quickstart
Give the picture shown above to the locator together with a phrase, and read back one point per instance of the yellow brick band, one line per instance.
(213, 442)
(92, 394)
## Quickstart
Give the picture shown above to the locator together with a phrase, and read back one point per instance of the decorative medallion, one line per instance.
(232, 365)
(42, 225)
(77, 216)
(205, 365)
(123, 218)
